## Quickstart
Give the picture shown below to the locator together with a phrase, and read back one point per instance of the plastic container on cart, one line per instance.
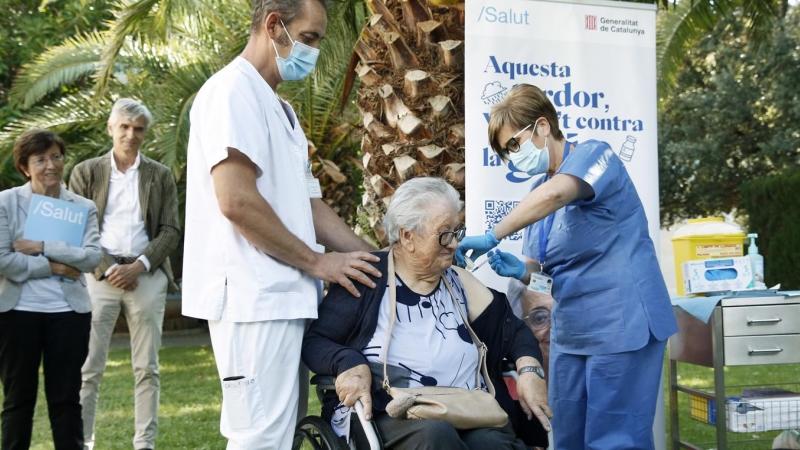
(706, 238)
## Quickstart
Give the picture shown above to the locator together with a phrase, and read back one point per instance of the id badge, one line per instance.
(541, 283)
(314, 190)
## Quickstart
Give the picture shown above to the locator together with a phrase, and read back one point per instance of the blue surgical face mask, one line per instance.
(301, 61)
(529, 159)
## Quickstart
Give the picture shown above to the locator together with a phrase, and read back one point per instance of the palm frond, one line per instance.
(59, 66)
(171, 102)
(150, 20)
(344, 24)
(72, 114)
(762, 16)
(679, 29)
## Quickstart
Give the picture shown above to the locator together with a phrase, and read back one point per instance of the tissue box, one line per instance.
(727, 274)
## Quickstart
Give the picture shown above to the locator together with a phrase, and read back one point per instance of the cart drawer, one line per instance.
(761, 320)
(774, 349)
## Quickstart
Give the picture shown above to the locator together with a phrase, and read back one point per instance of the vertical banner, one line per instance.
(595, 60)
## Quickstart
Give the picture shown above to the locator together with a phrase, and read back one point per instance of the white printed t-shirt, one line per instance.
(236, 108)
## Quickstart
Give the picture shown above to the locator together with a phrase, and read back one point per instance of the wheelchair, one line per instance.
(316, 433)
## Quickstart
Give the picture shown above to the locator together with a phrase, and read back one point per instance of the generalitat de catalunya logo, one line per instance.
(590, 22)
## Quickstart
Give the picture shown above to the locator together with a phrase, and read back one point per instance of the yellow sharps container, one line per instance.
(707, 238)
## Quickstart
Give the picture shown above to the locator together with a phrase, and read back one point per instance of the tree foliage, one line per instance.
(685, 22)
(774, 212)
(733, 118)
(27, 29)
(161, 52)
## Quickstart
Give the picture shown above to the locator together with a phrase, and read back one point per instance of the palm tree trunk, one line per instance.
(411, 98)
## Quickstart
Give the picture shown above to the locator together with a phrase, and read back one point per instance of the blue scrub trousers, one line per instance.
(605, 402)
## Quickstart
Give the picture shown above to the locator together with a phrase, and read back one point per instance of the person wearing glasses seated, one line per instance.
(429, 344)
(534, 309)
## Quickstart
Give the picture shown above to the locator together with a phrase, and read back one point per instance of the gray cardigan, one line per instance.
(17, 268)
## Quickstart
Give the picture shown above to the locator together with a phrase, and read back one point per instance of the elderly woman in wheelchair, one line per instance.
(417, 312)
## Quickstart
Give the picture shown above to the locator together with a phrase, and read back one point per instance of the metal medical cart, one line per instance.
(743, 331)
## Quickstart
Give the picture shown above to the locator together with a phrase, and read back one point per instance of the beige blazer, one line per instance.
(17, 268)
(158, 196)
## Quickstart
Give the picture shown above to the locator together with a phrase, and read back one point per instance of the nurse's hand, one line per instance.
(478, 244)
(342, 267)
(355, 384)
(532, 394)
(507, 265)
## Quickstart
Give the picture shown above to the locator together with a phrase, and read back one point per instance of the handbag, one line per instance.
(464, 409)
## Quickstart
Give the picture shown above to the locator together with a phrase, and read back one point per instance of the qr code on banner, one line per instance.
(496, 210)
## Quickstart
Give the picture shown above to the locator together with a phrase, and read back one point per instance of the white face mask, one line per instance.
(529, 158)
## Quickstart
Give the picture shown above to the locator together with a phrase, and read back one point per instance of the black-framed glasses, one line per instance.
(512, 146)
(538, 319)
(446, 237)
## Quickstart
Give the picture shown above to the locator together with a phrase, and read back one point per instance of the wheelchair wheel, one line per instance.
(315, 433)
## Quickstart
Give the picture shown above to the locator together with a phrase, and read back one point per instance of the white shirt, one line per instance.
(236, 108)
(42, 295)
(123, 232)
(429, 337)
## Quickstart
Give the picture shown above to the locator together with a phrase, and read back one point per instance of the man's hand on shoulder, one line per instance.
(341, 267)
(126, 276)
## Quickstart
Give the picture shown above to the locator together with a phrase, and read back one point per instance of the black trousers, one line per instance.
(62, 341)
(438, 435)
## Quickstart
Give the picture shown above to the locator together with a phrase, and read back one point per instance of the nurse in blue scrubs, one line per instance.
(587, 240)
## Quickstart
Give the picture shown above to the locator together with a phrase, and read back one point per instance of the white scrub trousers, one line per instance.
(258, 363)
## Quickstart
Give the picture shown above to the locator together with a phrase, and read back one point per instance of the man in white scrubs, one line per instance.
(253, 220)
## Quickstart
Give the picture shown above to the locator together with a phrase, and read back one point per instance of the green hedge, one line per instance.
(773, 208)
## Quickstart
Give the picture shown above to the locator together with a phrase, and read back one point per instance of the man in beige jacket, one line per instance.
(137, 209)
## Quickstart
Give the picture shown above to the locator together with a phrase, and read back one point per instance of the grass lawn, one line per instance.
(190, 401)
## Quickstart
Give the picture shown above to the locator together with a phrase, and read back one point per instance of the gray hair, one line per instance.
(130, 109)
(411, 203)
(287, 9)
(514, 293)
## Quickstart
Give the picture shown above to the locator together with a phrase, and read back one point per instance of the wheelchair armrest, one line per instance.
(510, 369)
(325, 381)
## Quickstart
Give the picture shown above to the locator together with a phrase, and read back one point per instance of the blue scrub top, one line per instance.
(609, 294)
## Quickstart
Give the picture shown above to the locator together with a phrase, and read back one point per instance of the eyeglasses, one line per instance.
(41, 160)
(512, 146)
(446, 237)
(538, 319)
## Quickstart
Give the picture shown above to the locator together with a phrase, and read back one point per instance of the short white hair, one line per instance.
(131, 109)
(410, 205)
(516, 290)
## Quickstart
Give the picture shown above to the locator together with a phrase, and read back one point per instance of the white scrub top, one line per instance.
(236, 108)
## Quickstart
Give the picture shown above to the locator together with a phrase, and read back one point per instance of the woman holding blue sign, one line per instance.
(45, 312)
(588, 243)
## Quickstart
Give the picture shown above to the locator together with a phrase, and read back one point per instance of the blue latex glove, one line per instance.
(507, 265)
(478, 244)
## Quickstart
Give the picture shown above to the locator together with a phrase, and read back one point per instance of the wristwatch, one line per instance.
(535, 369)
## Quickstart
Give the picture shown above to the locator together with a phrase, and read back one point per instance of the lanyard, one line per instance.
(547, 224)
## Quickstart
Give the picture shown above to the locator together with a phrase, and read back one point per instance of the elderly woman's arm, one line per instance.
(324, 345)
(325, 350)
